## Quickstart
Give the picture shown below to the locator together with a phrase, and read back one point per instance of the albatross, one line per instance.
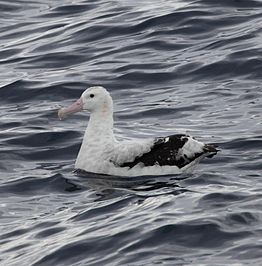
(101, 153)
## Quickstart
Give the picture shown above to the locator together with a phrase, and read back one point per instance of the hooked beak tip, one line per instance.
(61, 114)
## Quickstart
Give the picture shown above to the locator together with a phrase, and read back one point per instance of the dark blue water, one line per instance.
(171, 66)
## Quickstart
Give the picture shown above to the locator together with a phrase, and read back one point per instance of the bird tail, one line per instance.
(211, 149)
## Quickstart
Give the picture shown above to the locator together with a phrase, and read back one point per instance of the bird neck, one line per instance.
(100, 126)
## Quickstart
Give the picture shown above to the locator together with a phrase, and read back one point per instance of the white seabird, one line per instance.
(101, 153)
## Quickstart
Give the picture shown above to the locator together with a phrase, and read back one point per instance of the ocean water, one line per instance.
(170, 66)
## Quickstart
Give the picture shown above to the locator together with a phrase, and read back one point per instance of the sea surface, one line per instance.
(190, 66)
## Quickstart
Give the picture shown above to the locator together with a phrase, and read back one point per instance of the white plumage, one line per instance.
(101, 153)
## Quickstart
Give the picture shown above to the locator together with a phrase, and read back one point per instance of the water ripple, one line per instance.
(171, 66)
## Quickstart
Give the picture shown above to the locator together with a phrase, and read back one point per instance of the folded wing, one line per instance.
(175, 150)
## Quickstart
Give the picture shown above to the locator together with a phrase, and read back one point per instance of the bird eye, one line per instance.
(92, 95)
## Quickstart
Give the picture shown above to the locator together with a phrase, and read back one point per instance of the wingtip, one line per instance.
(211, 149)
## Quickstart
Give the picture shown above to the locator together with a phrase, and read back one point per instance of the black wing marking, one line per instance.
(165, 151)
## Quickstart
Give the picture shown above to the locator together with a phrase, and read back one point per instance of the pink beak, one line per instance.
(73, 108)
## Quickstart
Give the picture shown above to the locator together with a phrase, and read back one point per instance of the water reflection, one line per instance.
(143, 186)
